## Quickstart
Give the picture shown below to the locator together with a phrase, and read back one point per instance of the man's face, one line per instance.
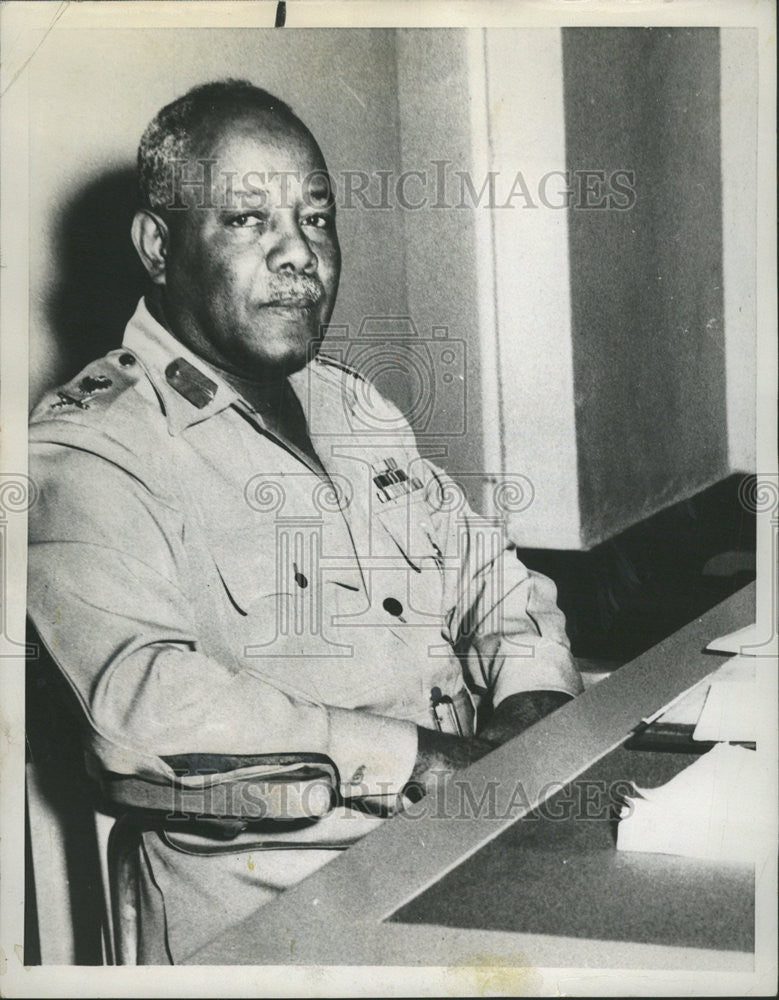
(251, 278)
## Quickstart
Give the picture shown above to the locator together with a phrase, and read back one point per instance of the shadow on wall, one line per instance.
(100, 276)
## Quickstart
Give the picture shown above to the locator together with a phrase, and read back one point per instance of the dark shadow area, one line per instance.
(97, 286)
(101, 277)
(32, 941)
(54, 748)
(627, 594)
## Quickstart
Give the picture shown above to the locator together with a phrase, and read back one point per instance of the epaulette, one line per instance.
(94, 388)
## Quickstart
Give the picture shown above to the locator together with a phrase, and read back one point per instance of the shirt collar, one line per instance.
(157, 350)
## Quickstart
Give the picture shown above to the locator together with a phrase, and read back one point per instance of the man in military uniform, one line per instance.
(231, 555)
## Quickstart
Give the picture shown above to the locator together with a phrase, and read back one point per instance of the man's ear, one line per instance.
(150, 237)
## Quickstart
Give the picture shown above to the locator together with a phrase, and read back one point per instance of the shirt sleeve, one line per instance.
(502, 618)
(107, 593)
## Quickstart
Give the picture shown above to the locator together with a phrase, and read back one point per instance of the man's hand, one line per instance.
(439, 754)
(519, 711)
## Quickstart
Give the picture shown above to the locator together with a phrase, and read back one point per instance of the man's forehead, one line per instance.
(251, 160)
(259, 135)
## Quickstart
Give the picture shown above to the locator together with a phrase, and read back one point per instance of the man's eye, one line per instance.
(246, 221)
(318, 221)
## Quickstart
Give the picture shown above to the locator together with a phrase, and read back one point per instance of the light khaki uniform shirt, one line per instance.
(204, 588)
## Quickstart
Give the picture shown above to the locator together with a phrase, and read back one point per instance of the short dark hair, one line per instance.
(172, 134)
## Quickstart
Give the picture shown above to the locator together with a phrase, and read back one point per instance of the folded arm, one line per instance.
(108, 594)
(508, 633)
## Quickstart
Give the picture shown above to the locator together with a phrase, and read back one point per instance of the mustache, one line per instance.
(304, 289)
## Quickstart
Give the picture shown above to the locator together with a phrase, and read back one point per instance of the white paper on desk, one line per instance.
(732, 709)
(686, 710)
(711, 810)
(745, 641)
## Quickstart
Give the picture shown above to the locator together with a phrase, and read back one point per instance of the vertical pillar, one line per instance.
(738, 123)
(533, 352)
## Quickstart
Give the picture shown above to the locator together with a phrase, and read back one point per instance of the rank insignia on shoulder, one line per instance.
(190, 382)
(67, 400)
(87, 386)
(392, 482)
(90, 384)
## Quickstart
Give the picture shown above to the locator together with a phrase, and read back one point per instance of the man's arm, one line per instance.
(518, 712)
(505, 626)
(108, 595)
(439, 754)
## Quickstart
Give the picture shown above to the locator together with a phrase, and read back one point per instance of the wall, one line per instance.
(738, 118)
(92, 97)
(534, 360)
(646, 283)
(441, 246)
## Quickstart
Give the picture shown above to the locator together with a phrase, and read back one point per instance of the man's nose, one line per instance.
(290, 250)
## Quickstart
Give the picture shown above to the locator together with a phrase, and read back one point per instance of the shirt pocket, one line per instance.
(260, 608)
(247, 578)
(410, 543)
(406, 523)
(280, 625)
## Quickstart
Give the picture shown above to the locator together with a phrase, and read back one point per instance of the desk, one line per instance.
(434, 886)
(558, 873)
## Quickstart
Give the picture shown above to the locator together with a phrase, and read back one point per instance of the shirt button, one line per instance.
(125, 360)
